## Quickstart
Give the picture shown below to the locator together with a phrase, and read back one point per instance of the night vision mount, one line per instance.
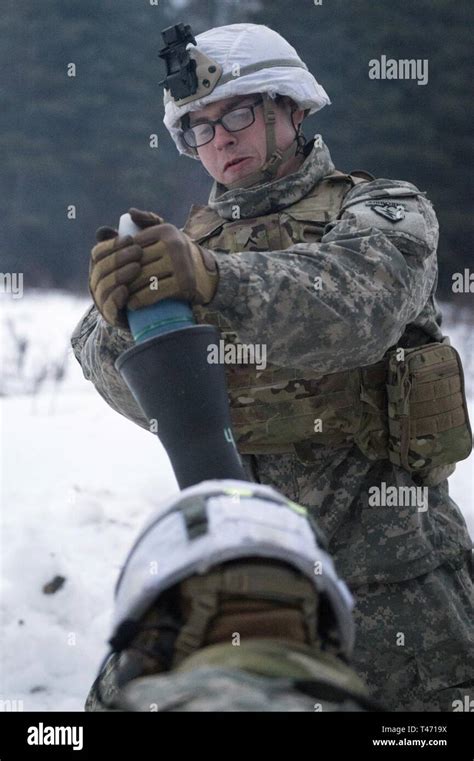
(189, 73)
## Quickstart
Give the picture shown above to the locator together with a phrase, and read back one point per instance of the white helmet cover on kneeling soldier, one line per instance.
(219, 521)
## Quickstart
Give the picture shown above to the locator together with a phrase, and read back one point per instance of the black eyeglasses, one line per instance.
(233, 121)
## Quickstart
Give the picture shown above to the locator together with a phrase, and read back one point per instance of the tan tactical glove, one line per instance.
(158, 263)
(172, 267)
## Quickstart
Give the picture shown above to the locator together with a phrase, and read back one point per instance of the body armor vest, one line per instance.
(411, 411)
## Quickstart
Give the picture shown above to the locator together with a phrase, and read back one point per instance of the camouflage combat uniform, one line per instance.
(410, 570)
(288, 677)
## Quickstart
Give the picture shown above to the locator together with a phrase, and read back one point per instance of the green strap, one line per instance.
(191, 636)
(251, 68)
(274, 157)
(194, 512)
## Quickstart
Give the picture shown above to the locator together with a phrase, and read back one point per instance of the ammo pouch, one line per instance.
(411, 411)
(428, 421)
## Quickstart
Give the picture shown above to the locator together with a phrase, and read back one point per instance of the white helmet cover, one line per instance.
(218, 521)
(254, 59)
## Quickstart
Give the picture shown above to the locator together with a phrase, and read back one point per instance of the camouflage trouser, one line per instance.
(415, 643)
(415, 623)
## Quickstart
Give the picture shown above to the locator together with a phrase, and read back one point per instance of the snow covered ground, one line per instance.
(77, 483)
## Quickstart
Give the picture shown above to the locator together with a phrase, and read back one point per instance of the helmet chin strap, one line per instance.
(274, 158)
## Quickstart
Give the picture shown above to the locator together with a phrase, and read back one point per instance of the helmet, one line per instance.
(246, 59)
(219, 521)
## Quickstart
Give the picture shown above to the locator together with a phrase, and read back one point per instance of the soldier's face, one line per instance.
(249, 145)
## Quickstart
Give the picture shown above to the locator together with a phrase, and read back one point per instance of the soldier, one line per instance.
(360, 413)
(245, 613)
